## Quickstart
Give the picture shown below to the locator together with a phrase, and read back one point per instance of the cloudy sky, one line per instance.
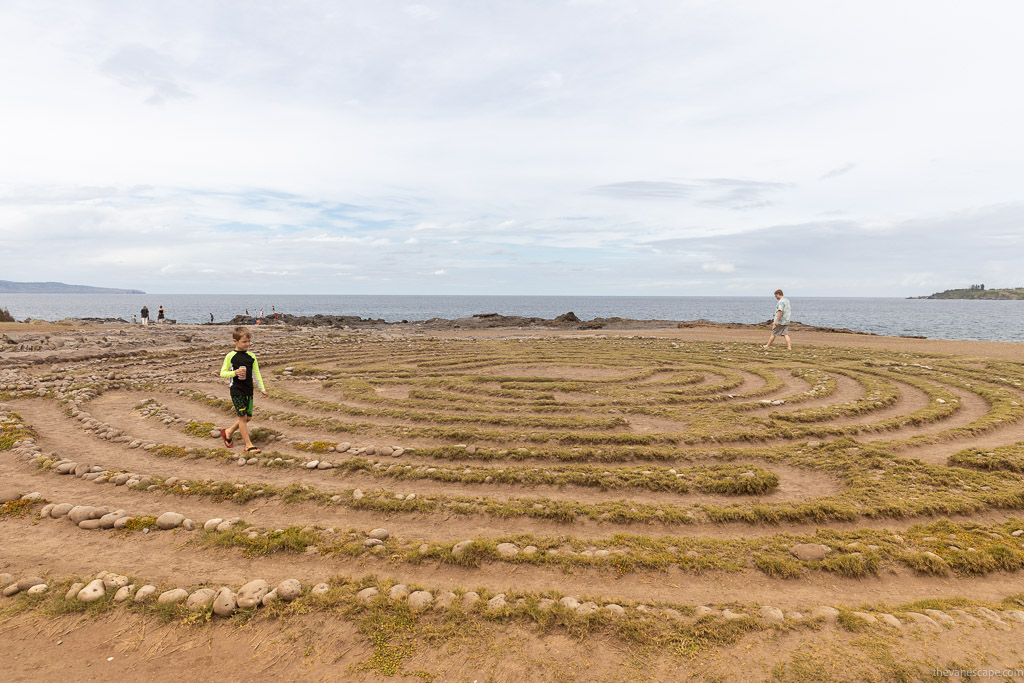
(525, 147)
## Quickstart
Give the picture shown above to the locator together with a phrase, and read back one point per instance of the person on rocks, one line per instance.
(780, 325)
(160, 314)
(211, 317)
(241, 367)
(144, 314)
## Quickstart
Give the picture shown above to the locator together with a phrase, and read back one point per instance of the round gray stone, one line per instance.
(169, 520)
(225, 603)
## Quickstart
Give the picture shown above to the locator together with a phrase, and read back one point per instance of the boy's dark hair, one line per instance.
(240, 332)
(779, 292)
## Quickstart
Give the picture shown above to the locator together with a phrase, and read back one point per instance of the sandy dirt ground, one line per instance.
(621, 455)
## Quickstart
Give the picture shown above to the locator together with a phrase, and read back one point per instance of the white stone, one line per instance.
(420, 599)
(200, 599)
(251, 594)
(173, 596)
(289, 589)
(225, 602)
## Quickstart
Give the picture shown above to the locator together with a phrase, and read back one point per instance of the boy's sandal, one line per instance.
(254, 450)
(224, 435)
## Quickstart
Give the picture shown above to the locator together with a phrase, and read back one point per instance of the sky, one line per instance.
(574, 147)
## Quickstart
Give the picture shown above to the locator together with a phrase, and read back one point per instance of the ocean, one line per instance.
(933, 318)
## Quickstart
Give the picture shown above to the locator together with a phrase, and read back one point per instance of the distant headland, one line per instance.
(977, 292)
(8, 287)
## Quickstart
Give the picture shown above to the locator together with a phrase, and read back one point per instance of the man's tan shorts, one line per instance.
(780, 330)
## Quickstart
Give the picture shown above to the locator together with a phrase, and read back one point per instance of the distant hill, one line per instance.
(1000, 294)
(8, 287)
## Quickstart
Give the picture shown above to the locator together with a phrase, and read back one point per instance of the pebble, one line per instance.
(93, 591)
(420, 599)
(829, 614)
(772, 613)
(212, 523)
(225, 602)
(570, 602)
(460, 548)
(173, 596)
(123, 593)
(358, 494)
(28, 582)
(289, 589)
(60, 510)
(891, 620)
(252, 593)
(468, 599)
(445, 599)
(810, 552)
(505, 549)
(200, 599)
(498, 601)
(398, 591)
(73, 591)
(320, 589)
(37, 589)
(80, 513)
(866, 617)
(112, 581)
(379, 534)
(269, 598)
(923, 620)
(367, 594)
(143, 593)
(169, 520)
(940, 617)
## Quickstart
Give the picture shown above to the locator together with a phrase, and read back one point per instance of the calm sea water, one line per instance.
(937, 319)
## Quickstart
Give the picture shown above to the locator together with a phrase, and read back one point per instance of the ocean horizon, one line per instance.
(983, 320)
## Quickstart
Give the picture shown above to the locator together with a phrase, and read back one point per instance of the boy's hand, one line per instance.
(263, 394)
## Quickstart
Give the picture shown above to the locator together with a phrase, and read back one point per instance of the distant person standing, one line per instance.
(144, 314)
(160, 314)
(780, 325)
(211, 318)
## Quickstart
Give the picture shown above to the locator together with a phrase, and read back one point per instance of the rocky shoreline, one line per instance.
(479, 321)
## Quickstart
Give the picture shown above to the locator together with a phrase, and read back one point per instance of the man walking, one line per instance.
(780, 325)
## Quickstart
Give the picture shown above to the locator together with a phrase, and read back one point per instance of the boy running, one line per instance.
(242, 368)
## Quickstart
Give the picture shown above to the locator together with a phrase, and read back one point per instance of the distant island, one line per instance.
(8, 287)
(977, 292)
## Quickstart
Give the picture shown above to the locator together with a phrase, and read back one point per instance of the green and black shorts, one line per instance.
(243, 405)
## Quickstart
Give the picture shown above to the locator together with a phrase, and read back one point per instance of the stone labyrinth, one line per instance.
(649, 490)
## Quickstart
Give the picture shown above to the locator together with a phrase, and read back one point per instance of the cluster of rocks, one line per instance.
(222, 601)
(32, 585)
(92, 517)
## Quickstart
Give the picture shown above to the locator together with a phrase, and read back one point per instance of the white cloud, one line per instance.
(604, 134)
(442, 271)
